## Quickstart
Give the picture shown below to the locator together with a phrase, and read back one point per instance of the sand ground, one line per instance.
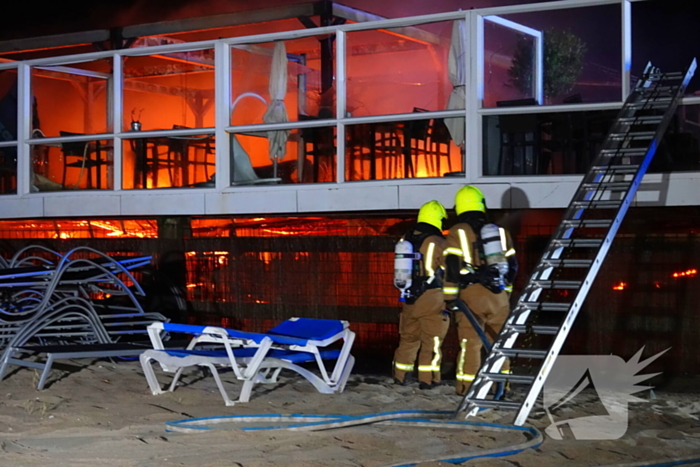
(101, 413)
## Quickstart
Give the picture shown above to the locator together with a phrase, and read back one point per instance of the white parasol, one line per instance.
(276, 111)
(456, 69)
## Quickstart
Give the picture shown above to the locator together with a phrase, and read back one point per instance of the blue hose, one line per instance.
(500, 387)
(403, 417)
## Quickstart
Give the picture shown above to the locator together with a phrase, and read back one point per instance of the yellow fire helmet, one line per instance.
(469, 198)
(432, 213)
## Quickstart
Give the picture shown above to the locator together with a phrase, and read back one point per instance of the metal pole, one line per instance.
(326, 16)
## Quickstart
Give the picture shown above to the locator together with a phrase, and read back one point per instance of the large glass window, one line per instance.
(403, 70)
(306, 155)
(413, 69)
(543, 143)
(511, 68)
(404, 149)
(173, 161)
(8, 170)
(287, 80)
(72, 165)
(561, 143)
(169, 90)
(8, 132)
(276, 82)
(680, 148)
(71, 99)
(582, 50)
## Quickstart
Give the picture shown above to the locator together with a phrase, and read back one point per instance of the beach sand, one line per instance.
(100, 413)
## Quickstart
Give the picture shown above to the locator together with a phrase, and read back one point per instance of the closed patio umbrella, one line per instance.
(276, 111)
(455, 68)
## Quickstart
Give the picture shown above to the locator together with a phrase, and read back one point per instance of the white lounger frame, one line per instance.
(260, 368)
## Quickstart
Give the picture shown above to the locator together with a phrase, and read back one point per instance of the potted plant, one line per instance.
(563, 62)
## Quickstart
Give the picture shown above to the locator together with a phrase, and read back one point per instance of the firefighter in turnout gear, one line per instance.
(423, 322)
(471, 275)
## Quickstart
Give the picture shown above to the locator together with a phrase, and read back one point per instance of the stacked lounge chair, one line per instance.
(81, 304)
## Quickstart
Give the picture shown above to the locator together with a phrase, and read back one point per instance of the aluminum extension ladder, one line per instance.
(537, 327)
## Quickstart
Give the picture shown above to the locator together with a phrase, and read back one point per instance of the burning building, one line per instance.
(270, 158)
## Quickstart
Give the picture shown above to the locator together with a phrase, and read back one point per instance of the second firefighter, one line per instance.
(480, 267)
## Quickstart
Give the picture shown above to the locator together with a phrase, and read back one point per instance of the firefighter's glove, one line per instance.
(468, 279)
(490, 278)
(494, 288)
(451, 305)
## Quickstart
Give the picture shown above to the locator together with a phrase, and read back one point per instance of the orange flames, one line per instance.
(687, 273)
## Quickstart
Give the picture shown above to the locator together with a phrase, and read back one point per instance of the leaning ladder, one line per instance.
(538, 325)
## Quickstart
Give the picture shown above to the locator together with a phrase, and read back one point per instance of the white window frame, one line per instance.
(539, 53)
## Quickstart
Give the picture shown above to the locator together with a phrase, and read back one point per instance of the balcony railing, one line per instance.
(466, 94)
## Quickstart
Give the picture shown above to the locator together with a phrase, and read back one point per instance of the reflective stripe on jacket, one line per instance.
(462, 256)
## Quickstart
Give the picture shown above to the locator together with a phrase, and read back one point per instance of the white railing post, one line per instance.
(473, 165)
(24, 129)
(539, 68)
(222, 109)
(340, 110)
(116, 93)
(626, 6)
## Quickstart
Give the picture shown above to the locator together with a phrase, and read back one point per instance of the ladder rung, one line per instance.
(598, 204)
(616, 169)
(491, 404)
(568, 263)
(523, 353)
(660, 103)
(664, 99)
(616, 186)
(577, 242)
(634, 135)
(642, 119)
(625, 151)
(557, 284)
(663, 76)
(590, 223)
(546, 306)
(536, 329)
(503, 377)
(651, 90)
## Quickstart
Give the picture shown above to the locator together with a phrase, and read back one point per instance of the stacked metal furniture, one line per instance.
(81, 304)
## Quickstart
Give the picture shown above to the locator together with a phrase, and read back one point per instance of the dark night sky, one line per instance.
(667, 33)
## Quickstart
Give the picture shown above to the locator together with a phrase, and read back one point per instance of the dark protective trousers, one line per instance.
(422, 329)
(491, 310)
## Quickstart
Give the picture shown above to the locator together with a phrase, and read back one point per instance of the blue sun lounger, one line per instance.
(256, 357)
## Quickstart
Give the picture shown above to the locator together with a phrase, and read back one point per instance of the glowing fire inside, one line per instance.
(687, 273)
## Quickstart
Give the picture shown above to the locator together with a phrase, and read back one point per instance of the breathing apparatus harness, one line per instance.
(409, 267)
(494, 265)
